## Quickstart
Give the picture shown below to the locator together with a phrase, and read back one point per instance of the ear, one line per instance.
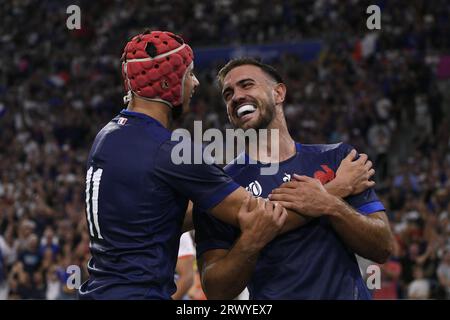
(279, 93)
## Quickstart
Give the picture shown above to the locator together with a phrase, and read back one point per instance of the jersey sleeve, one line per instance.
(366, 202)
(205, 184)
(211, 233)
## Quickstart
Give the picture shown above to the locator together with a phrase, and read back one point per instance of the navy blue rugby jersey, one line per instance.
(311, 262)
(136, 198)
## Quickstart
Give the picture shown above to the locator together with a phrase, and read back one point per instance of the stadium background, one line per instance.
(385, 92)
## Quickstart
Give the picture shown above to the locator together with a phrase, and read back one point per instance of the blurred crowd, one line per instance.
(59, 87)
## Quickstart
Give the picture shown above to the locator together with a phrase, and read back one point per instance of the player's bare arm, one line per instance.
(352, 176)
(258, 227)
(228, 211)
(369, 236)
(214, 265)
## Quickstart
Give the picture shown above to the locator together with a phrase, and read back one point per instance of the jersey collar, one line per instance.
(140, 115)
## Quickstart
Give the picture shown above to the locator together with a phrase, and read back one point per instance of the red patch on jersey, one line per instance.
(324, 176)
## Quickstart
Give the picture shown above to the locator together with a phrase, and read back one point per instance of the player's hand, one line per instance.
(304, 195)
(260, 225)
(353, 176)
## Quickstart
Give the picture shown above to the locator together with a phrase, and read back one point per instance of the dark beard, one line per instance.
(265, 119)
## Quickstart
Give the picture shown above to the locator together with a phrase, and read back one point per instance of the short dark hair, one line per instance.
(267, 69)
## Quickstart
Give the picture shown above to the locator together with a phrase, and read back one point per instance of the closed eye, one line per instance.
(247, 85)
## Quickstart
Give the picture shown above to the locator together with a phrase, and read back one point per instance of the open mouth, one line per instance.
(245, 109)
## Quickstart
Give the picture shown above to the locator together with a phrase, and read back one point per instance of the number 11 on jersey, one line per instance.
(92, 187)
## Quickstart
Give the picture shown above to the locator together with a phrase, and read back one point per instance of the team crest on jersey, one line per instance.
(255, 188)
(122, 121)
(324, 176)
(287, 177)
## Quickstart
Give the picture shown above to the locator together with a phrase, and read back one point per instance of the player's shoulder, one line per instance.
(123, 133)
(141, 127)
(236, 165)
(338, 148)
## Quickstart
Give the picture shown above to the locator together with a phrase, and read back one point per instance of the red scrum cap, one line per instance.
(154, 66)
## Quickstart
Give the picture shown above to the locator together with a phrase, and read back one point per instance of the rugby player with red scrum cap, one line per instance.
(137, 197)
